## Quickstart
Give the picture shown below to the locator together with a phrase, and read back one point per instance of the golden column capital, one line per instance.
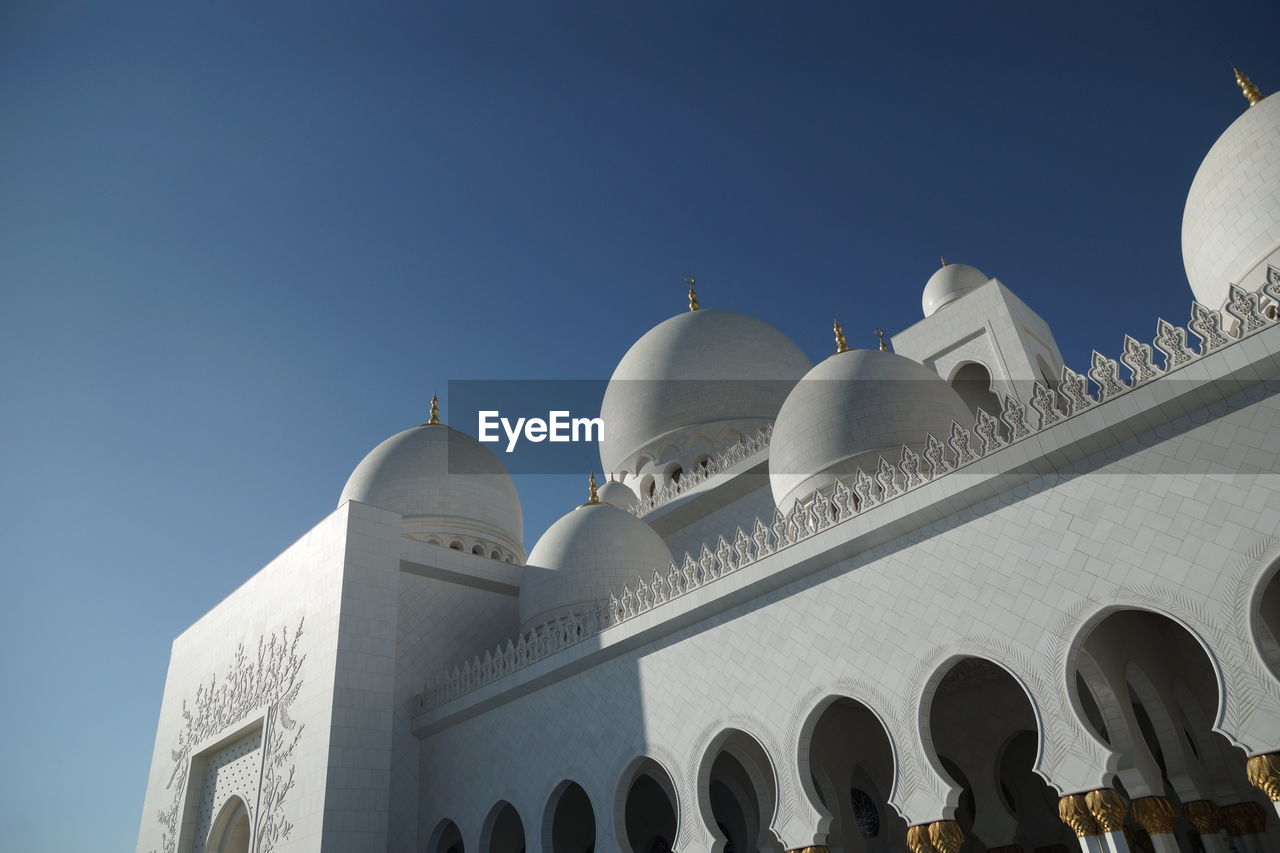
(946, 836)
(1154, 814)
(1107, 807)
(1204, 816)
(1264, 774)
(1245, 818)
(918, 839)
(1074, 813)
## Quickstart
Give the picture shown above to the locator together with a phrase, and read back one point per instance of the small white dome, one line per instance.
(950, 283)
(615, 493)
(583, 557)
(1231, 224)
(447, 486)
(705, 373)
(848, 410)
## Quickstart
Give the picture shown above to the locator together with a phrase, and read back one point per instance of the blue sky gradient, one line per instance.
(241, 243)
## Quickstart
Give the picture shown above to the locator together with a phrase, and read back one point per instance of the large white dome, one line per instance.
(704, 373)
(848, 410)
(583, 557)
(449, 487)
(1231, 224)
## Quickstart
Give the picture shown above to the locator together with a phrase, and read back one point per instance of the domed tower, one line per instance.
(613, 492)
(449, 488)
(850, 409)
(690, 387)
(592, 551)
(981, 338)
(1231, 224)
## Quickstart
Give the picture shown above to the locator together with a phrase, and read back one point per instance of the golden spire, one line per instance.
(841, 344)
(883, 346)
(435, 411)
(693, 296)
(942, 261)
(1251, 93)
(593, 497)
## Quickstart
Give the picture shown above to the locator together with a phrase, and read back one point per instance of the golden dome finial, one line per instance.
(942, 261)
(435, 411)
(880, 334)
(593, 496)
(693, 296)
(841, 344)
(1251, 93)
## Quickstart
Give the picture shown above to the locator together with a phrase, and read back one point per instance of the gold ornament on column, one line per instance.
(693, 296)
(946, 836)
(1154, 814)
(434, 419)
(1073, 811)
(1107, 807)
(1264, 774)
(1204, 816)
(1244, 818)
(918, 839)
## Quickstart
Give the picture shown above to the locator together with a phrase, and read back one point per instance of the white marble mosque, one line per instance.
(944, 595)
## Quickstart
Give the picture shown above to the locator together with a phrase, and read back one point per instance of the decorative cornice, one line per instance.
(850, 497)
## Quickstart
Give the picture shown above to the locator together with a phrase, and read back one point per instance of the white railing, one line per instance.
(844, 500)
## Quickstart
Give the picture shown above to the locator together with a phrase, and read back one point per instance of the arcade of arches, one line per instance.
(1143, 684)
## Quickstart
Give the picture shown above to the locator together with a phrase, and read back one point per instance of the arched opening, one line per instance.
(674, 473)
(648, 485)
(477, 549)
(456, 545)
(503, 831)
(973, 383)
(703, 461)
(649, 810)
(572, 821)
(983, 730)
(232, 831)
(850, 760)
(448, 839)
(1267, 622)
(494, 555)
(740, 794)
(1156, 690)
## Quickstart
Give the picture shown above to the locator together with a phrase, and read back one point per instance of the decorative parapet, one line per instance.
(1245, 314)
(721, 462)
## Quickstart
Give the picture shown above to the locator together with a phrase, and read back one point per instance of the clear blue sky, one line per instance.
(241, 243)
